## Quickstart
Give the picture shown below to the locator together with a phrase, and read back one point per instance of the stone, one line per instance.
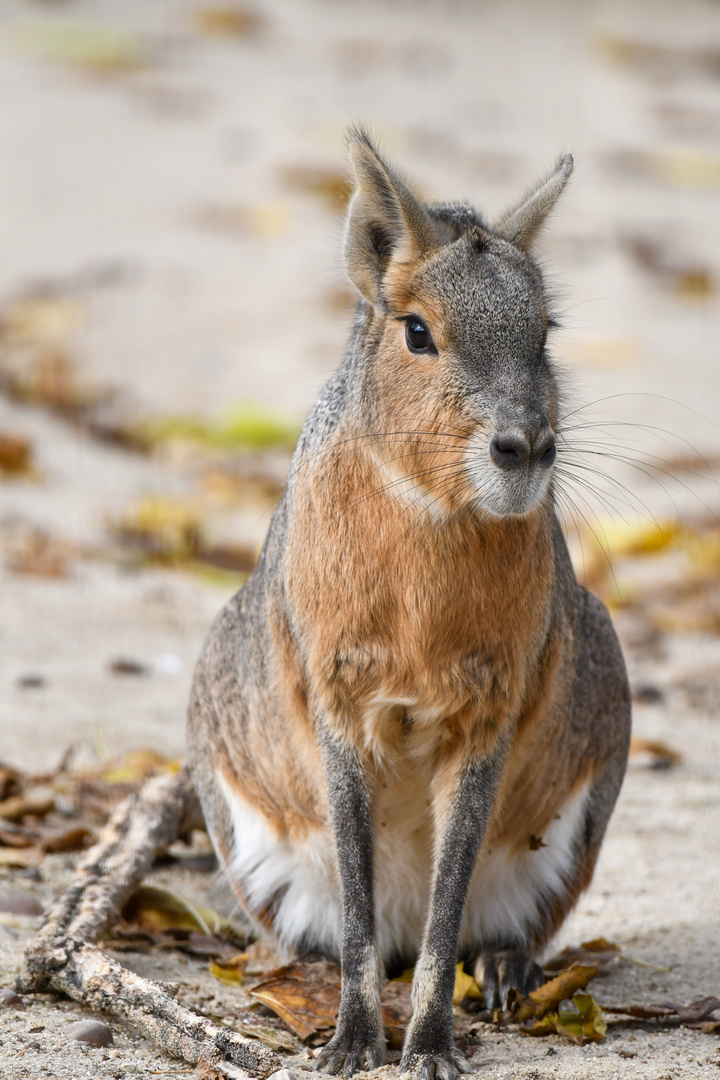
(92, 1032)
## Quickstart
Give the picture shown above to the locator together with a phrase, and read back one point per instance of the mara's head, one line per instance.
(456, 380)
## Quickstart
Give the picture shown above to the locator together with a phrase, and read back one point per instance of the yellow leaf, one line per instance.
(41, 320)
(230, 971)
(21, 857)
(138, 765)
(97, 48)
(548, 997)
(465, 986)
(686, 168)
(226, 20)
(159, 909)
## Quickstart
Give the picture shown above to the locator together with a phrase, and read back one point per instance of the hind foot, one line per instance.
(504, 970)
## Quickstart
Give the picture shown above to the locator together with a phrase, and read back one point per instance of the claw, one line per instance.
(347, 1055)
(446, 1065)
(504, 970)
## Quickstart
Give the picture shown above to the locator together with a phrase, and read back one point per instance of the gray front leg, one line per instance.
(429, 1049)
(358, 1041)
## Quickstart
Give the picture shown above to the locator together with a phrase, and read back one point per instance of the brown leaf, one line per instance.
(35, 552)
(19, 806)
(597, 952)
(11, 781)
(332, 187)
(549, 996)
(76, 839)
(157, 909)
(21, 857)
(305, 995)
(15, 454)
(227, 20)
(697, 1010)
(204, 1071)
(662, 755)
(582, 1023)
(396, 1012)
(17, 835)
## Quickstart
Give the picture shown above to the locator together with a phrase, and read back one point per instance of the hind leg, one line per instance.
(523, 898)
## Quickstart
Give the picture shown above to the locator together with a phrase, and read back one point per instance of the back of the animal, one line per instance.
(409, 729)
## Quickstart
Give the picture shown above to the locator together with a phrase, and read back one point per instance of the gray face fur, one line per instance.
(496, 318)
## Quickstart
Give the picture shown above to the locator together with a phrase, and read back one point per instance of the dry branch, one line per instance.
(63, 955)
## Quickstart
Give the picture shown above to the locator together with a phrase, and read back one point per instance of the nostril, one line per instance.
(548, 455)
(508, 451)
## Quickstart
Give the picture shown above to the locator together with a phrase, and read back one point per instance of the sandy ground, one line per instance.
(177, 212)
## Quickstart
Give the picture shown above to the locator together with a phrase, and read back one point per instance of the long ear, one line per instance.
(384, 220)
(521, 224)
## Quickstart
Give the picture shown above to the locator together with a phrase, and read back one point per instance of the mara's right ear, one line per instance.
(384, 220)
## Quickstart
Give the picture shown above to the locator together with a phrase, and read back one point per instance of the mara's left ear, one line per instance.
(521, 224)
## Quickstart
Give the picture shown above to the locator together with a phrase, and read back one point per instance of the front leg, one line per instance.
(358, 1041)
(429, 1049)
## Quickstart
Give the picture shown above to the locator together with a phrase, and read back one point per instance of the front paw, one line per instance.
(433, 1063)
(357, 1044)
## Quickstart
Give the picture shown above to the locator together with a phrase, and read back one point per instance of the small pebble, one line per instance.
(282, 1074)
(31, 681)
(647, 694)
(91, 1032)
(21, 903)
(10, 999)
(124, 665)
(30, 873)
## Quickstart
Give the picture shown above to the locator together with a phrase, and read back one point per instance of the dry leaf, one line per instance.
(396, 1011)
(306, 996)
(230, 970)
(662, 755)
(694, 1013)
(136, 766)
(465, 986)
(164, 528)
(332, 187)
(597, 952)
(18, 806)
(15, 455)
(11, 781)
(94, 47)
(682, 276)
(21, 857)
(41, 320)
(159, 909)
(35, 552)
(548, 997)
(76, 839)
(226, 20)
(581, 1024)
(204, 1071)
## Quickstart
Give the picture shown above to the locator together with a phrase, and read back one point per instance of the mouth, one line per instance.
(512, 473)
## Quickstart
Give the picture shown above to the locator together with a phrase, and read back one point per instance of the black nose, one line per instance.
(510, 451)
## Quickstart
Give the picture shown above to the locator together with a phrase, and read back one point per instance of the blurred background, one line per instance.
(172, 299)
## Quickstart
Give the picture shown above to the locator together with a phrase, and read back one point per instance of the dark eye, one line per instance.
(418, 337)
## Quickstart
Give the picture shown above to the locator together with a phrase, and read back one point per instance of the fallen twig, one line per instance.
(64, 955)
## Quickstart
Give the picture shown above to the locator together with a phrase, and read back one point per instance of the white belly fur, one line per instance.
(502, 899)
